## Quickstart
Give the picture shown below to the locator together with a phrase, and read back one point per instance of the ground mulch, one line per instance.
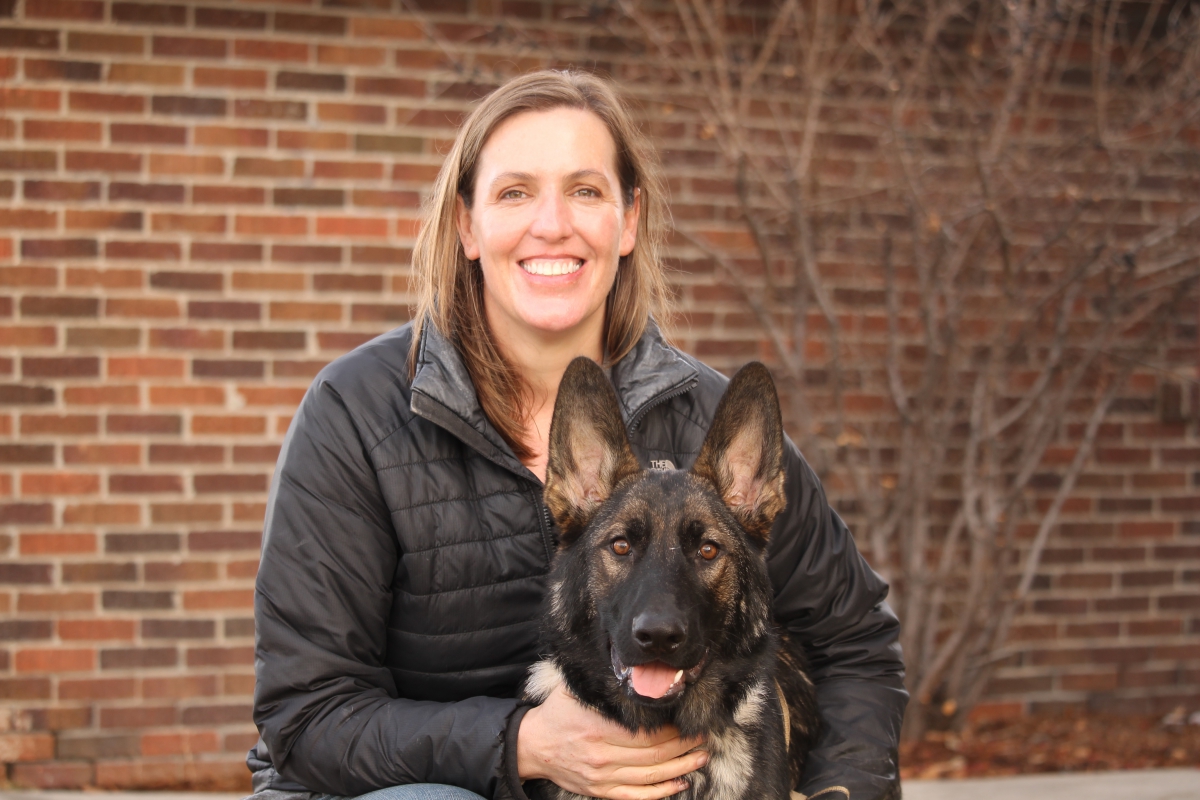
(1058, 743)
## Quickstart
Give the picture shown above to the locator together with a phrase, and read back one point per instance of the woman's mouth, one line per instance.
(551, 266)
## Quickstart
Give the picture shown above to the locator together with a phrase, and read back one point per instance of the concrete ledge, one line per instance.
(1150, 784)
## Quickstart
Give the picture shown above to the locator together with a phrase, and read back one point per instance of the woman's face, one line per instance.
(548, 224)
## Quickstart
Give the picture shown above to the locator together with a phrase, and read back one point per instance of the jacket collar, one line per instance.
(442, 391)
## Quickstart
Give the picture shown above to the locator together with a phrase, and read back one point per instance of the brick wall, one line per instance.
(203, 203)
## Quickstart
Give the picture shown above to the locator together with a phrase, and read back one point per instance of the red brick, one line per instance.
(60, 367)
(224, 309)
(97, 630)
(144, 717)
(139, 308)
(168, 513)
(103, 220)
(348, 170)
(187, 338)
(16, 99)
(387, 28)
(41, 543)
(352, 56)
(312, 140)
(28, 336)
(33, 602)
(142, 250)
(220, 136)
(229, 78)
(91, 277)
(228, 425)
(81, 10)
(149, 13)
(145, 367)
(55, 659)
(229, 483)
(175, 164)
(162, 453)
(219, 599)
(110, 43)
(270, 281)
(59, 774)
(145, 484)
(271, 225)
(174, 573)
(161, 424)
(352, 113)
(268, 50)
(186, 743)
(106, 103)
(187, 395)
(306, 311)
(102, 514)
(101, 453)
(58, 483)
(220, 656)
(101, 395)
(220, 251)
(62, 130)
(180, 688)
(188, 47)
(97, 688)
(143, 133)
(17, 747)
(352, 226)
(86, 161)
(27, 218)
(272, 395)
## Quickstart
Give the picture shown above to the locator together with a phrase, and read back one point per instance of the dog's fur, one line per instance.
(662, 600)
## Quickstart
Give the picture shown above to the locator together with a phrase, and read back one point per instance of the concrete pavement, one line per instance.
(1151, 784)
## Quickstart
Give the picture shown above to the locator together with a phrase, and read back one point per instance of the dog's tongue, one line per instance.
(653, 679)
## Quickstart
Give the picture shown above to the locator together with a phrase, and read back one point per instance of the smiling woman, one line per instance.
(407, 545)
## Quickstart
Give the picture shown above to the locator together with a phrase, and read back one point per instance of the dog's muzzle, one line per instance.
(655, 680)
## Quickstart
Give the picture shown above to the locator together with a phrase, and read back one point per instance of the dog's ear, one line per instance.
(589, 449)
(742, 456)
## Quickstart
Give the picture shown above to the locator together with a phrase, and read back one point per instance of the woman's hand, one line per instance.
(581, 751)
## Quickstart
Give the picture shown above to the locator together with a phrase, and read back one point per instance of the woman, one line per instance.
(406, 544)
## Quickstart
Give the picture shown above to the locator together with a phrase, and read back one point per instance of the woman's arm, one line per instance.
(324, 702)
(833, 602)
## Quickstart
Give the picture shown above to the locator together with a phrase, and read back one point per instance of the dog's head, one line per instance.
(661, 574)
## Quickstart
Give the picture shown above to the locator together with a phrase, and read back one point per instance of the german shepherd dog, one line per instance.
(658, 609)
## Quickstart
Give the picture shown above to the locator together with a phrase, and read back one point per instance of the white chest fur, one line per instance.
(731, 756)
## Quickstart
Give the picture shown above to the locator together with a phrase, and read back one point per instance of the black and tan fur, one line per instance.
(662, 600)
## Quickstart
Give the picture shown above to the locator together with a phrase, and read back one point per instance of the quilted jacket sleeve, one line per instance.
(324, 703)
(833, 602)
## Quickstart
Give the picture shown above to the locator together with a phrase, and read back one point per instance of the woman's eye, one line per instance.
(587, 192)
(620, 546)
(512, 194)
(709, 551)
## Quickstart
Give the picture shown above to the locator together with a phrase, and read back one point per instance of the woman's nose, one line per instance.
(551, 219)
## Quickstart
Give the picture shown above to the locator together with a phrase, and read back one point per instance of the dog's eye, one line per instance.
(620, 546)
(708, 551)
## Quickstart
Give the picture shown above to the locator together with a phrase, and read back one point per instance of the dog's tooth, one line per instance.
(678, 675)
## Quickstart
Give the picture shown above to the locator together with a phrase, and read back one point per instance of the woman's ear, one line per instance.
(466, 234)
(630, 224)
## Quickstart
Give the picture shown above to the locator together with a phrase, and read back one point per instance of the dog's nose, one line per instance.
(658, 634)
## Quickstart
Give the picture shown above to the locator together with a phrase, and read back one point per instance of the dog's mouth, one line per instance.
(655, 680)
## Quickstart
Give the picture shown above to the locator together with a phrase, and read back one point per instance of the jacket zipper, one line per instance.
(658, 401)
(547, 526)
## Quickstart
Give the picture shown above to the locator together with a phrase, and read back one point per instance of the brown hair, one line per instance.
(450, 287)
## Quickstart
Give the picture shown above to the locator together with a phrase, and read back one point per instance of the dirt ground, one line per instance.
(1059, 743)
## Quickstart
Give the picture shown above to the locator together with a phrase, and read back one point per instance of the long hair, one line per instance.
(450, 287)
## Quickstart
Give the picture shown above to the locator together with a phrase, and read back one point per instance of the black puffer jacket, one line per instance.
(405, 555)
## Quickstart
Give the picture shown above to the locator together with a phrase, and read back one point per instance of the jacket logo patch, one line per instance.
(661, 464)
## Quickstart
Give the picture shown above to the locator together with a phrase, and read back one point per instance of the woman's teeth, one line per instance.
(560, 266)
